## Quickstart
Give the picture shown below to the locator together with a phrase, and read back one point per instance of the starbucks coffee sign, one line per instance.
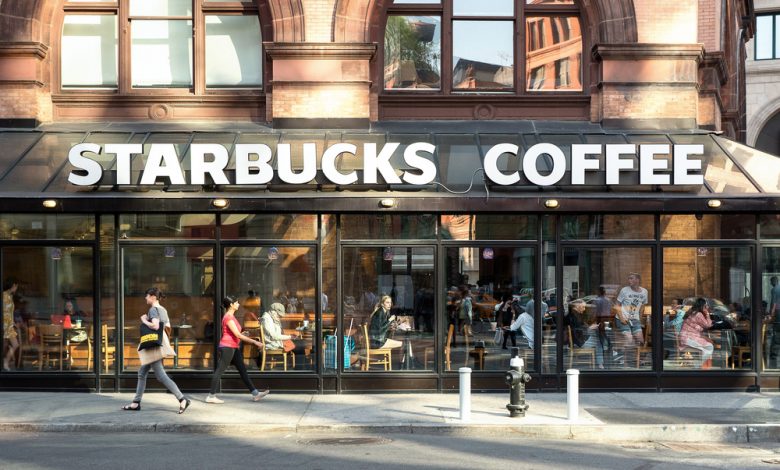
(253, 164)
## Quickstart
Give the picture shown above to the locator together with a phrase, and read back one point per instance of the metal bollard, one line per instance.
(465, 393)
(573, 393)
(517, 378)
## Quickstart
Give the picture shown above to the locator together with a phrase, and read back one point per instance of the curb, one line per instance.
(715, 433)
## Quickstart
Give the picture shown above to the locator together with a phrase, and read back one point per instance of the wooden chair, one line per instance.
(107, 349)
(447, 349)
(272, 354)
(648, 347)
(51, 349)
(28, 345)
(588, 353)
(373, 357)
(78, 351)
(477, 353)
(249, 350)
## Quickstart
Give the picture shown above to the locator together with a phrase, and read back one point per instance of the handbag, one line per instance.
(150, 338)
(498, 337)
(288, 345)
(147, 356)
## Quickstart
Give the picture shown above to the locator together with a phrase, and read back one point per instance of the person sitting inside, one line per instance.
(525, 323)
(381, 324)
(272, 328)
(674, 318)
(695, 322)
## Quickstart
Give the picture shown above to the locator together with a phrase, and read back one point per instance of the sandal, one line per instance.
(130, 407)
(183, 405)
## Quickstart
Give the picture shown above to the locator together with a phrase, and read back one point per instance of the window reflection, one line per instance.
(263, 276)
(474, 64)
(412, 52)
(607, 298)
(489, 307)
(553, 53)
(608, 227)
(185, 275)
(270, 226)
(47, 308)
(715, 337)
(388, 311)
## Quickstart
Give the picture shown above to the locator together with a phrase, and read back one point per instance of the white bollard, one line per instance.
(465, 393)
(573, 393)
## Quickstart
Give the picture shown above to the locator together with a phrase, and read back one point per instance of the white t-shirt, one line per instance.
(526, 323)
(631, 301)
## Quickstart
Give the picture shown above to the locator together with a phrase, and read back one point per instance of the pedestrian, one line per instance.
(157, 314)
(230, 352)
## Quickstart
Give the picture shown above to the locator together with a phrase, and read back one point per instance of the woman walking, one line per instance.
(230, 352)
(157, 314)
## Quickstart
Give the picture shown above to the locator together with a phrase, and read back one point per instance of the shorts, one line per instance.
(633, 326)
(9, 332)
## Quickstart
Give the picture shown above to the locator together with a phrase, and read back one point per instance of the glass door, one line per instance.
(388, 306)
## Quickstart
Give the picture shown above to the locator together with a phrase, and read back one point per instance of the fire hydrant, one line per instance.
(517, 378)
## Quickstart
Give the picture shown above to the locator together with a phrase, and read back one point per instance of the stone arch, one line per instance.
(286, 17)
(760, 119)
(609, 21)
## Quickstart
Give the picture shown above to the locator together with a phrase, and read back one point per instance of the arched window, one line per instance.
(160, 46)
(513, 48)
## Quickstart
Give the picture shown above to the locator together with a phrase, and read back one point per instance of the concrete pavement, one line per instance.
(607, 417)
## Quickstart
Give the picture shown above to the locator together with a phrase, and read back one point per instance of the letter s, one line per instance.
(93, 168)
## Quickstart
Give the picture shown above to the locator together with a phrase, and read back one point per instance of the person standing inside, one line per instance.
(157, 314)
(230, 352)
(632, 300)
(504, 318)
(9, 330)
(774, 318)
(465, 311)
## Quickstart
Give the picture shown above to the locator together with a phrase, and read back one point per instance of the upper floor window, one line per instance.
(459, 46)
(142, 44)
(767, 38)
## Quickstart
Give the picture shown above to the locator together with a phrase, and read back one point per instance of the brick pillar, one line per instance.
(24, 95)
(317, 85)
(648, 85)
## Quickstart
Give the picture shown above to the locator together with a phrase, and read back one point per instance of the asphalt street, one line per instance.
(343, 452)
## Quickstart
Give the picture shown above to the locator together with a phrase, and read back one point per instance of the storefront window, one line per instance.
(488, 227)
(488, 291)
(708, 227)
(42, 226)
(261, 276)
(270, 226)
(388, 310)
(607, 318)
(167, 226)
(715, 337)
(770, 308)
(549, 304)
(770, 226)
(47, 308)
(608, 227)
(378, 227)
(185, 275)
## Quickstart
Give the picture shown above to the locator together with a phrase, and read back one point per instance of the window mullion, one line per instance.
(446, 48)
(521, 49)
(124, 48)
(199, 47)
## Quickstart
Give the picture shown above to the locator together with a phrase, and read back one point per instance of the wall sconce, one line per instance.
(50, 203)
(220, 203)
(387, 203)
(551, 203)
(714, 203)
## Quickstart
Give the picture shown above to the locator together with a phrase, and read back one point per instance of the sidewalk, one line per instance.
(613, 417)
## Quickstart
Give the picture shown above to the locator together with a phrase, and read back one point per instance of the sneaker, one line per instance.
(215, 400)
(260, 395)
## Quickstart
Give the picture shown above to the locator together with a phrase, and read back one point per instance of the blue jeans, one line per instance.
(595, 342)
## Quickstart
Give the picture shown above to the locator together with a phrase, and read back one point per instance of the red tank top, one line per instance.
(229, 340)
